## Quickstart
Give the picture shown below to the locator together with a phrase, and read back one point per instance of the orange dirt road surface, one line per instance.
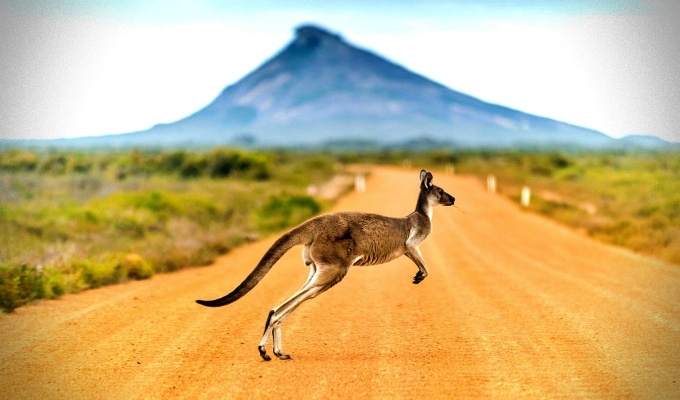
(515, 306)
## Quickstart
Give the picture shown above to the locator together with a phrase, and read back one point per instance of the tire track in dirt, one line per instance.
(514, 306)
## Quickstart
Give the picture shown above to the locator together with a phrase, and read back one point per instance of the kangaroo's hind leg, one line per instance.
(268, 331)
(268, 327)
(323, 279)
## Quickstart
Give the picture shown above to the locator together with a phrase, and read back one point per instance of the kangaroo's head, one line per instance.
(435, 195)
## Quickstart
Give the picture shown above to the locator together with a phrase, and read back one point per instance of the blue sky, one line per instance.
(77, 68)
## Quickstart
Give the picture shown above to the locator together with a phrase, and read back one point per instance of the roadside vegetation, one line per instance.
(73, 221)
(70, 221)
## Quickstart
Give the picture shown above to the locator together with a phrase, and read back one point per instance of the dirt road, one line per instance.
(514, 306)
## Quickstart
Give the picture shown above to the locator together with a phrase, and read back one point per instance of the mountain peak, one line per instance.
(309, 35)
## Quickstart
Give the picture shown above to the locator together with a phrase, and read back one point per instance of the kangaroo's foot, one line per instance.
(419, 277)
(282, 356)
(263, 353)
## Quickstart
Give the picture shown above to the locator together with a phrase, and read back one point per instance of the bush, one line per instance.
(99, 273)
(170, 162)
(9, 290)
(81, 165)
(223, 163)
(19, 285)
(133, 266)
(193, 167)
(53, 283)
(110, 269)
(15, 161)
(155, 201)
(442, 157)
(283, 211)
(55, 164)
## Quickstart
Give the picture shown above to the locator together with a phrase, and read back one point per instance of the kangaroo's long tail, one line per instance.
(294, 237)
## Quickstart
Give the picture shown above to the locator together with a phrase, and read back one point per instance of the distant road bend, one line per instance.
(514, 306)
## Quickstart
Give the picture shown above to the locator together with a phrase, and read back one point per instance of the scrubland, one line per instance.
(72, 221)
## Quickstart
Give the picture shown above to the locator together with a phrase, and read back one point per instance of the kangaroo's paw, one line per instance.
(282, 356)
(419, 277)
(263, 353)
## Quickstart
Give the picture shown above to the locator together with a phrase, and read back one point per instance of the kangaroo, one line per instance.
(336, 241)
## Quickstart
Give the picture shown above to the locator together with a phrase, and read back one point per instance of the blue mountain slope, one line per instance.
(320, 89)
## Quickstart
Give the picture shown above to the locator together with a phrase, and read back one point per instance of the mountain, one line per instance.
(320, 90)
(645, 142)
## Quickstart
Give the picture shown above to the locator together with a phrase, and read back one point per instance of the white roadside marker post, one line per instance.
(360, 183)
(526, 196)
(491, 183)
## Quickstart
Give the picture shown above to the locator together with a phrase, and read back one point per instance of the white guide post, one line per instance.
(526, 196)
(360, 183)
(491, 183)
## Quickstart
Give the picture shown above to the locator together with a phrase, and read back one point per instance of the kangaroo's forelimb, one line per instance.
(417, 258)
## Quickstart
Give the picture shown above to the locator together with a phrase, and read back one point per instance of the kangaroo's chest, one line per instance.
(417, 235)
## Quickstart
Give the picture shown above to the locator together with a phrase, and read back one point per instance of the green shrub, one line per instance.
(9, 290)
(53, 283)
(16, 161)
(19, 285)
(222, 163)
(283, 211)
(154, 201)
(81, 165)
(193, 167)
(443, 157)
(97, 273)
(130, 225)
(170, 162)
(109, 269)
(133, 266)
(55, 164)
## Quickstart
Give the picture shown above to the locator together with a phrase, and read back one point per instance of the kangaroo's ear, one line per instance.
(422, 175)
(426, 179)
